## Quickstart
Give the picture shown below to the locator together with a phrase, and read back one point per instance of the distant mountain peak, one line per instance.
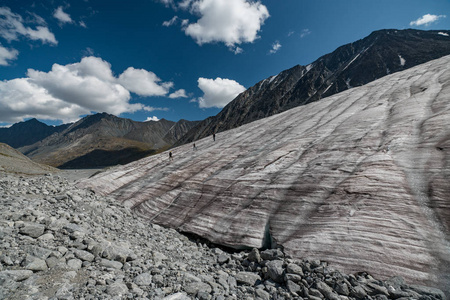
(27, 132)
(29, 122)
(33, 120)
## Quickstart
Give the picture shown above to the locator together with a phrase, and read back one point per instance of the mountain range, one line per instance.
(97, 140)
(28, 132)
(381, 53)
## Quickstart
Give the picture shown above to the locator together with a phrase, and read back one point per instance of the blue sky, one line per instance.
(172, 59)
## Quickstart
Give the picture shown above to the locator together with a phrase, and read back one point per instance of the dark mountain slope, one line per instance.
(381, 53)
(28, 132)
(103, 140)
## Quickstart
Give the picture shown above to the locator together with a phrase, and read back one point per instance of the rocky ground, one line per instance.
(12, 161)
(61, 242)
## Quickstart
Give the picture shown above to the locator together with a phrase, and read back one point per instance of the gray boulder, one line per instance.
(75, 231)
(83, 255)
(111, 264)
(247, 278)
(262, 294)
(293, 287)
(327, 291)
(358, 292)
(117, 289)
(275, 270)
(16, 275)
(39, 252)
(34, 230)
(143, 279)
(74, 263)
(271, 254)
(34, 264)
(115, 251)
(254, 256)
(194, 287)
(294, 269)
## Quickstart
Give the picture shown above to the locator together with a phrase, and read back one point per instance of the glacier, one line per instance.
(359, 179)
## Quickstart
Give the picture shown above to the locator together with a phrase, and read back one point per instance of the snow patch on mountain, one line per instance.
(347, 83)
(326, 90)
(261, 84)
(273, 78)
(351, 61)
(402, 60)
(358, 55)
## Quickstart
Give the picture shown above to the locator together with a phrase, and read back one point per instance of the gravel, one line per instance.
(61, 242)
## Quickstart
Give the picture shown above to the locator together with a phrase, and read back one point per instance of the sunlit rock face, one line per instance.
(360, 179)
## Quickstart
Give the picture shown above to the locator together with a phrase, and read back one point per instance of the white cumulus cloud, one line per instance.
(184, 22)
(229, 21)
(170, 22)
(181, 93)
(237, 50)
(426, 20)
(12, 27)
(275, 47)
(68, 91)
(218, 92)
(6, 55)
(154, 118)
(80, 84)
(21, 99)
(62, 16)
(143, 82)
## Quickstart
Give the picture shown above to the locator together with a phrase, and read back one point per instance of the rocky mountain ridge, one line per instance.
(28, 132)
(102, 140)
(381, 53)
(358, 179)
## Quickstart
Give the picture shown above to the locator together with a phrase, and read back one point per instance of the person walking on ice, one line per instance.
(214, 136)
(170, 156)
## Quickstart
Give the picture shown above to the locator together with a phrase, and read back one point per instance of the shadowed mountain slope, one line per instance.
(359, 179)
(28, 132)
(103, 139)
(381, 53)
